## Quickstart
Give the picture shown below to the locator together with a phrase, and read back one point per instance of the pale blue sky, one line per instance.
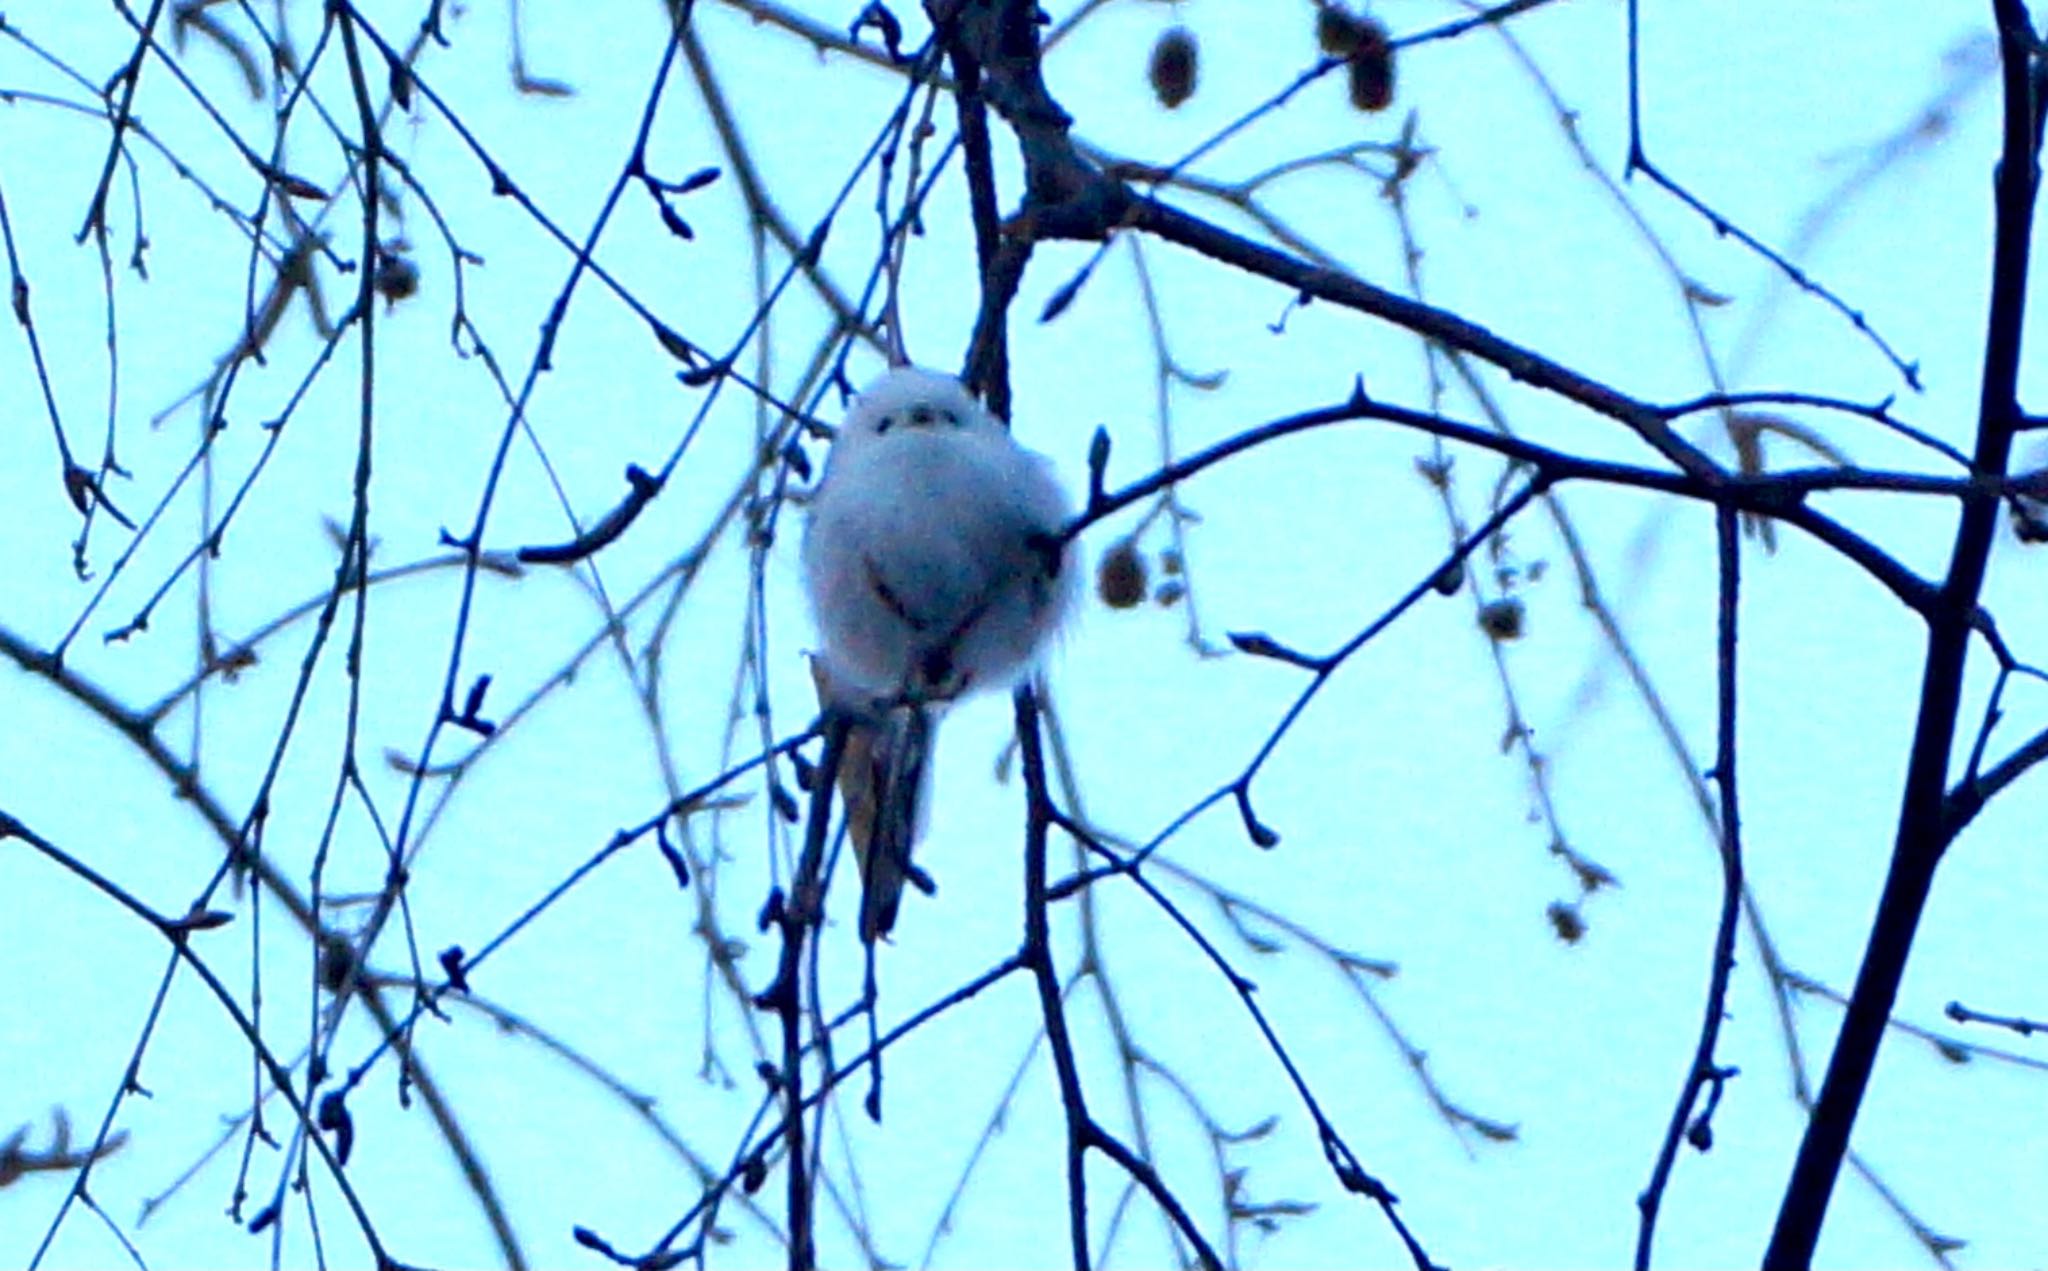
(1407, 831)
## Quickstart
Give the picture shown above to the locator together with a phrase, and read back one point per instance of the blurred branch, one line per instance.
(17, 1161)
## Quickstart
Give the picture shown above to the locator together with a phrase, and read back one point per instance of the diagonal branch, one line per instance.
(1924, 820)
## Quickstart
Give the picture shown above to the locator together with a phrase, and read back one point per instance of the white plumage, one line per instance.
(935, 567)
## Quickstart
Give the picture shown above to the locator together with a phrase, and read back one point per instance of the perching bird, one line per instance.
(936, 566)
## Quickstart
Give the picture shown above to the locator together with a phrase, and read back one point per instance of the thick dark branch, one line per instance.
(1115, 207)
(1968, 799)
(1001, 262)
(1925, 814)
(1780, 495)
(1436, 324)
(1067, 197)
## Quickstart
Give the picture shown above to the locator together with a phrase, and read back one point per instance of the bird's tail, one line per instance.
(900, 774)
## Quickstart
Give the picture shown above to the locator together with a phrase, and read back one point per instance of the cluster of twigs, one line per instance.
(966, 97)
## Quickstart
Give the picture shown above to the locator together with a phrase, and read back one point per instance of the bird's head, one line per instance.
(908, 398)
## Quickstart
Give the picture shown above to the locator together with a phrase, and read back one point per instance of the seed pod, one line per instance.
(1338, 30)
(1175, 67)
(397, 277)
(1371, 73)
(1566, 922)
(1502, 619)
(1120, 576)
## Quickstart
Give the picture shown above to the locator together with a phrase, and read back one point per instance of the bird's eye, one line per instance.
(950, 418)
(884, 424)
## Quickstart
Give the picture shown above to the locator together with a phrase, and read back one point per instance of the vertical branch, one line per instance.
(1083, 1132)
(1924, 831)
(1037, 957)
(796, 918)
(354, 571)
(995, 51)
(988, 357)
(1704, 1072)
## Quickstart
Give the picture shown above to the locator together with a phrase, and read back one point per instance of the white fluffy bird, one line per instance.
(935, 567)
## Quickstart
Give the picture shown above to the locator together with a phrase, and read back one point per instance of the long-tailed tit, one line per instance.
(936, 567)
